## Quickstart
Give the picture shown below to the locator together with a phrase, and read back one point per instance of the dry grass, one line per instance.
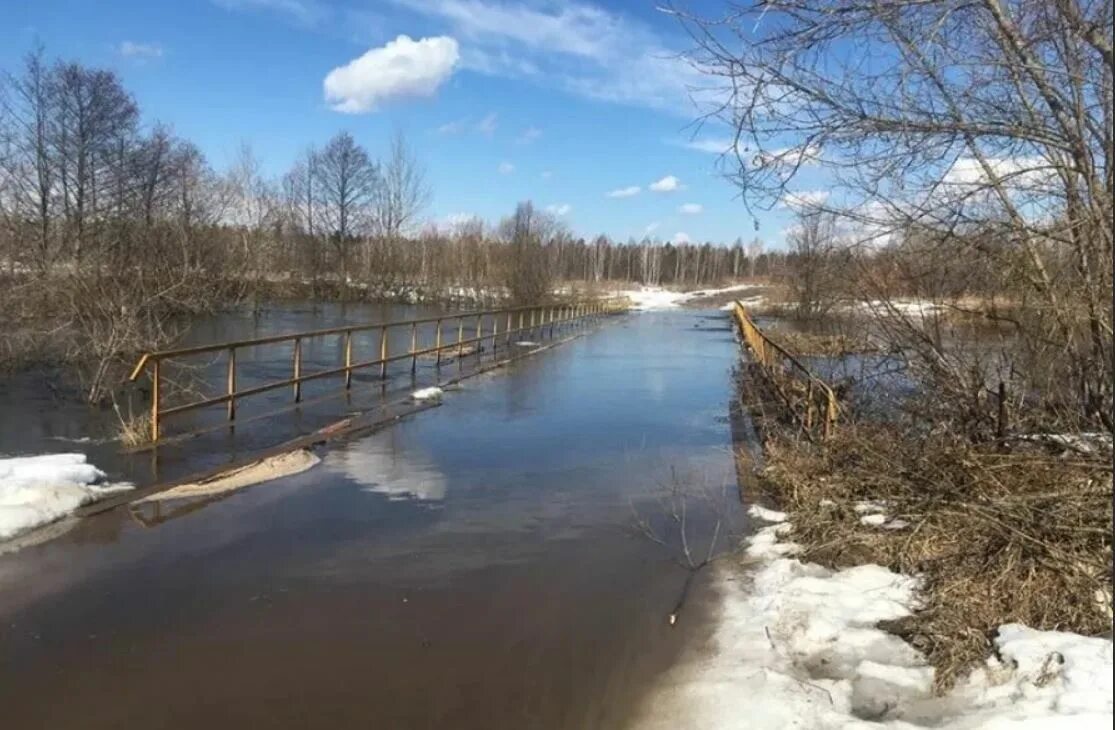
(998, 537)
(809, 344)
(134, 431)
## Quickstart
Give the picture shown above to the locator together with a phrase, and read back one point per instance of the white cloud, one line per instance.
(487, 125)
(302, 12)
(580, 47)
(667, 184)
(712, 145)
(681, 237)
(402, 68)
(506, 168)
(1013, 172)
(628, 192)
(691, 209)
(529, 135)
(559, 209)
(651, 228)
(454, 127)
(804, 199)
(140, 51)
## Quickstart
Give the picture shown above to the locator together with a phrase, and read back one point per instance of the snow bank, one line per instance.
(432, 393)
(795, 645)
(648, 298)
(36, 490)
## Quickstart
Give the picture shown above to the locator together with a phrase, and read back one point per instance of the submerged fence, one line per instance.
(467, 334)
(810, 400)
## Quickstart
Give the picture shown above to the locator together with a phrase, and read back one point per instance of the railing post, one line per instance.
(348, 360)
(460, 339)
(479, 333)
(437, 343)
(507, 333)
(383, 353)
(232, 383)
(495, 332)
(297, 369)
(413, 348)
(551, 323)
(155, 401)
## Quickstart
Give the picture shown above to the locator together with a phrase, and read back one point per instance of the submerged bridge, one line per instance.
(181, 381)
(202, 408)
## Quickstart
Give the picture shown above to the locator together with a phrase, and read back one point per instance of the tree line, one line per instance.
(86, 185)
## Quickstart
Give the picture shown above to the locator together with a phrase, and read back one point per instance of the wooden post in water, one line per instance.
(460, 339)
(298, 370)
(383, 353)
(437, 343)
(348, 360)
(413, 347)
(155, 401)
(232, 383)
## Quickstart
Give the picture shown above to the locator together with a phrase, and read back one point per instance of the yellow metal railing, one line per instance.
(811, 400)
(468, 334)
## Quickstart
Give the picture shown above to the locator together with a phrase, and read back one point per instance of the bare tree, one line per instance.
(529, 274)
(348, 182)
(301, 196)
(402, 192)
(93, 109)
(812, 242)
(29, 170)
(991, 116)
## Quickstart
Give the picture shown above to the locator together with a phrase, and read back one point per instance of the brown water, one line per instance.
(474, 566)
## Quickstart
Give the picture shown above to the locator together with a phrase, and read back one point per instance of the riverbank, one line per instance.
(797, 644)
(913, 578)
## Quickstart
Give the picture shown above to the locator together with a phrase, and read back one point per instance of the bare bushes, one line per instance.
(528, 271)
(997, 536)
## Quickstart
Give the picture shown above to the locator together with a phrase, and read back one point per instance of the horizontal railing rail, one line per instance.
(818, 407)
(513, 319)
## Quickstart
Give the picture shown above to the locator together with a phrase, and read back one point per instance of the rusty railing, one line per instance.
(809, 399)
(468, 335)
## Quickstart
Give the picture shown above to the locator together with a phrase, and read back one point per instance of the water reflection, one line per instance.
(387, 466)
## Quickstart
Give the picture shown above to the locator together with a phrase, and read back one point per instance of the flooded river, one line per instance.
(474, 566)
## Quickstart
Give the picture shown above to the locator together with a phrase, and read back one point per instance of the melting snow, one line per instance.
(652, 297)
(432, 393)
(796, 645)
(36, 490)
(768, 515)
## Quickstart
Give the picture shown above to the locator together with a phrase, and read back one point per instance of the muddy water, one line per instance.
(473, 567)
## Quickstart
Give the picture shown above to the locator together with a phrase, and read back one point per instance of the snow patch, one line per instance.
(767, 515)
(796, 645)
(431, 393)
(649, 298)
(37, 490)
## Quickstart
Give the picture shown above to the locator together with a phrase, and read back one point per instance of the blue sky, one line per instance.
(559, 103)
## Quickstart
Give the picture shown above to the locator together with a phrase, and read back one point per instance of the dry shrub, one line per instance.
(998, 537)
